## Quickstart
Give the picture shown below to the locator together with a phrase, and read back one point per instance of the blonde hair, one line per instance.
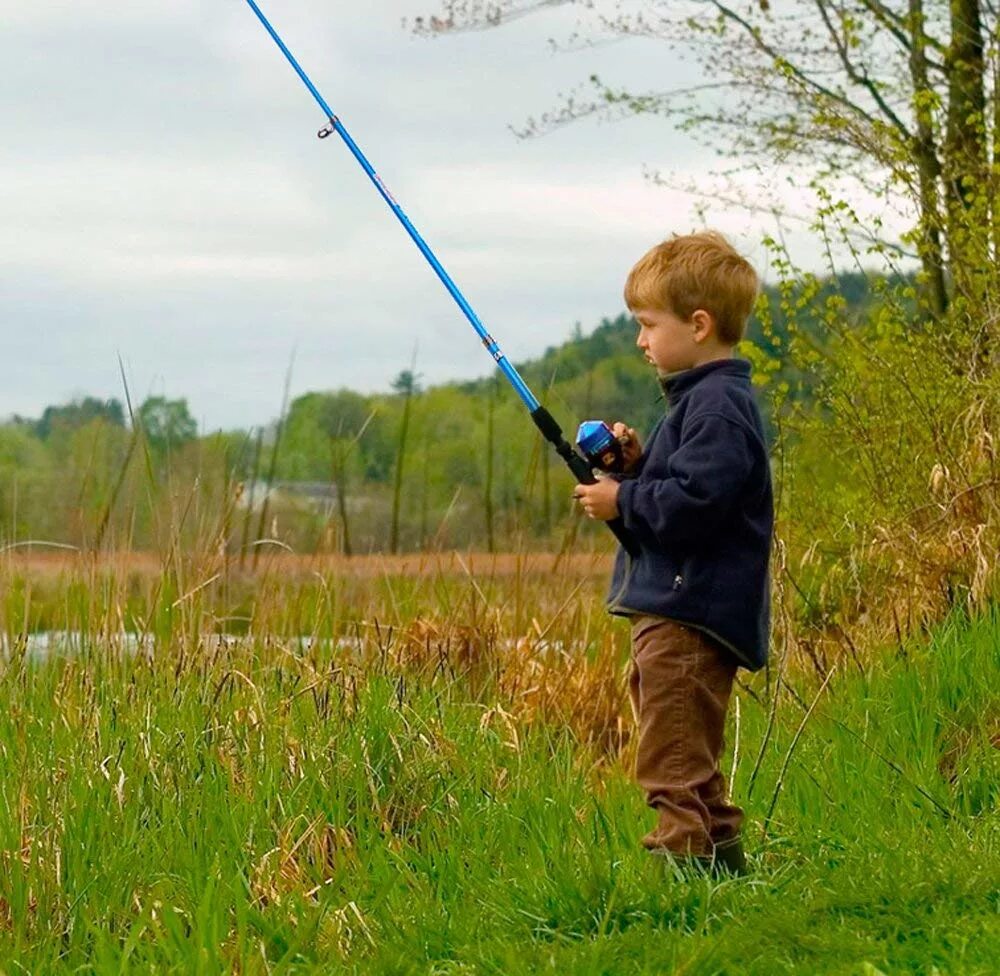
(695, 271)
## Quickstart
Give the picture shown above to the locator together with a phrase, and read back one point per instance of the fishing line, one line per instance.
(579, 465)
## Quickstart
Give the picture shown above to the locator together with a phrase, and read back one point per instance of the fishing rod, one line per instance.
(601, 448)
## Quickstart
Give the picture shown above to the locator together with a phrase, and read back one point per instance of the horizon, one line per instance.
(576, 333)
(179, 214)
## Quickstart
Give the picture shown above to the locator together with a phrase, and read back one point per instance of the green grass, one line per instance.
(263, 809)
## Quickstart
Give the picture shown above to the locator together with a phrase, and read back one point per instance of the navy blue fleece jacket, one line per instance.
(700, 507)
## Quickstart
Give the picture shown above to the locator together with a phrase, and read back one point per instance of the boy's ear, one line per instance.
(704, 324)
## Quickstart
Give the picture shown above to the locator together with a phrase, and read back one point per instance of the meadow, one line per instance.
(236, 740)
(422, 765)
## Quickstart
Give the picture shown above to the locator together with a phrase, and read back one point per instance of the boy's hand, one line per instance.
(600, 500)
(631, 448)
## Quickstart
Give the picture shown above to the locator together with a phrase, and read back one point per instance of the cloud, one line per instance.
(163, 196)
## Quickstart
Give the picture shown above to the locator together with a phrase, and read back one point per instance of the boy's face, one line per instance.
(672, 344)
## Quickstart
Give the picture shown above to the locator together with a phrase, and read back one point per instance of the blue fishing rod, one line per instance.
(601, 448)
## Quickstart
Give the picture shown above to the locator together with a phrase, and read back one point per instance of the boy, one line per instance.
(698, 503)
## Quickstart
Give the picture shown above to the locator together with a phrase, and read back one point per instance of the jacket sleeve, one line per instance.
(707, 472)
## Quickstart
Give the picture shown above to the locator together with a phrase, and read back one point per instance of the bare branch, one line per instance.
(876, 87)
(778, 211)
(860, 78)
(476, 15)
(889, 19)
(808, 81)
(902, 29)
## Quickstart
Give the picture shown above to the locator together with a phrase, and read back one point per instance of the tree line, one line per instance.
(452, 465)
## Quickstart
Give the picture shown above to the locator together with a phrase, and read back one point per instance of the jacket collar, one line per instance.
(675, 385)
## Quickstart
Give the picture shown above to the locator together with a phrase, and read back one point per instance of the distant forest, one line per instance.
(454, 464)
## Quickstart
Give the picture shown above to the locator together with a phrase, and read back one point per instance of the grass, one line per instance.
(449, 792)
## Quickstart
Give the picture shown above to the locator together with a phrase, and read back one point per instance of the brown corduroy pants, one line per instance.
(680, 685)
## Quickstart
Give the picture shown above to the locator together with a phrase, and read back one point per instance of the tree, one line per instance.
(167, 423)
(344, 412)
(405, 385)
(78, 413)
(24, 475)
(899, 96)
(315, 422)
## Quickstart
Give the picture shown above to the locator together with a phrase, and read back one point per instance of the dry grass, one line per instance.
(46, 564)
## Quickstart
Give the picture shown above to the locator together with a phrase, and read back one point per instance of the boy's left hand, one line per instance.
(599, 500)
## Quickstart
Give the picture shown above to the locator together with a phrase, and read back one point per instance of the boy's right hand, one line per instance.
(631, 447)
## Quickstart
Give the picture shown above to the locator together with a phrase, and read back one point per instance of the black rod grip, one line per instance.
(581, 469)
(546, 423)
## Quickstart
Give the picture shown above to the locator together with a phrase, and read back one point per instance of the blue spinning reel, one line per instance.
(600, 446)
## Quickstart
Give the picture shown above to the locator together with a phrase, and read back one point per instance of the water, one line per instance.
(42, 645)
(68, 643)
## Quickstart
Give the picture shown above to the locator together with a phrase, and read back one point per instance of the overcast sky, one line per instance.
(164, 198)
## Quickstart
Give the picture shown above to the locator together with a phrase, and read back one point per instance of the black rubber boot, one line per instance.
(682, 866)
(729, 858)
(726, 861)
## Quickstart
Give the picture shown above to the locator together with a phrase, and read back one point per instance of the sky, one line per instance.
(165, 203)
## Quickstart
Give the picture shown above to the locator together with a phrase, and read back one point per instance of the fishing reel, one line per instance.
(600, 446)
